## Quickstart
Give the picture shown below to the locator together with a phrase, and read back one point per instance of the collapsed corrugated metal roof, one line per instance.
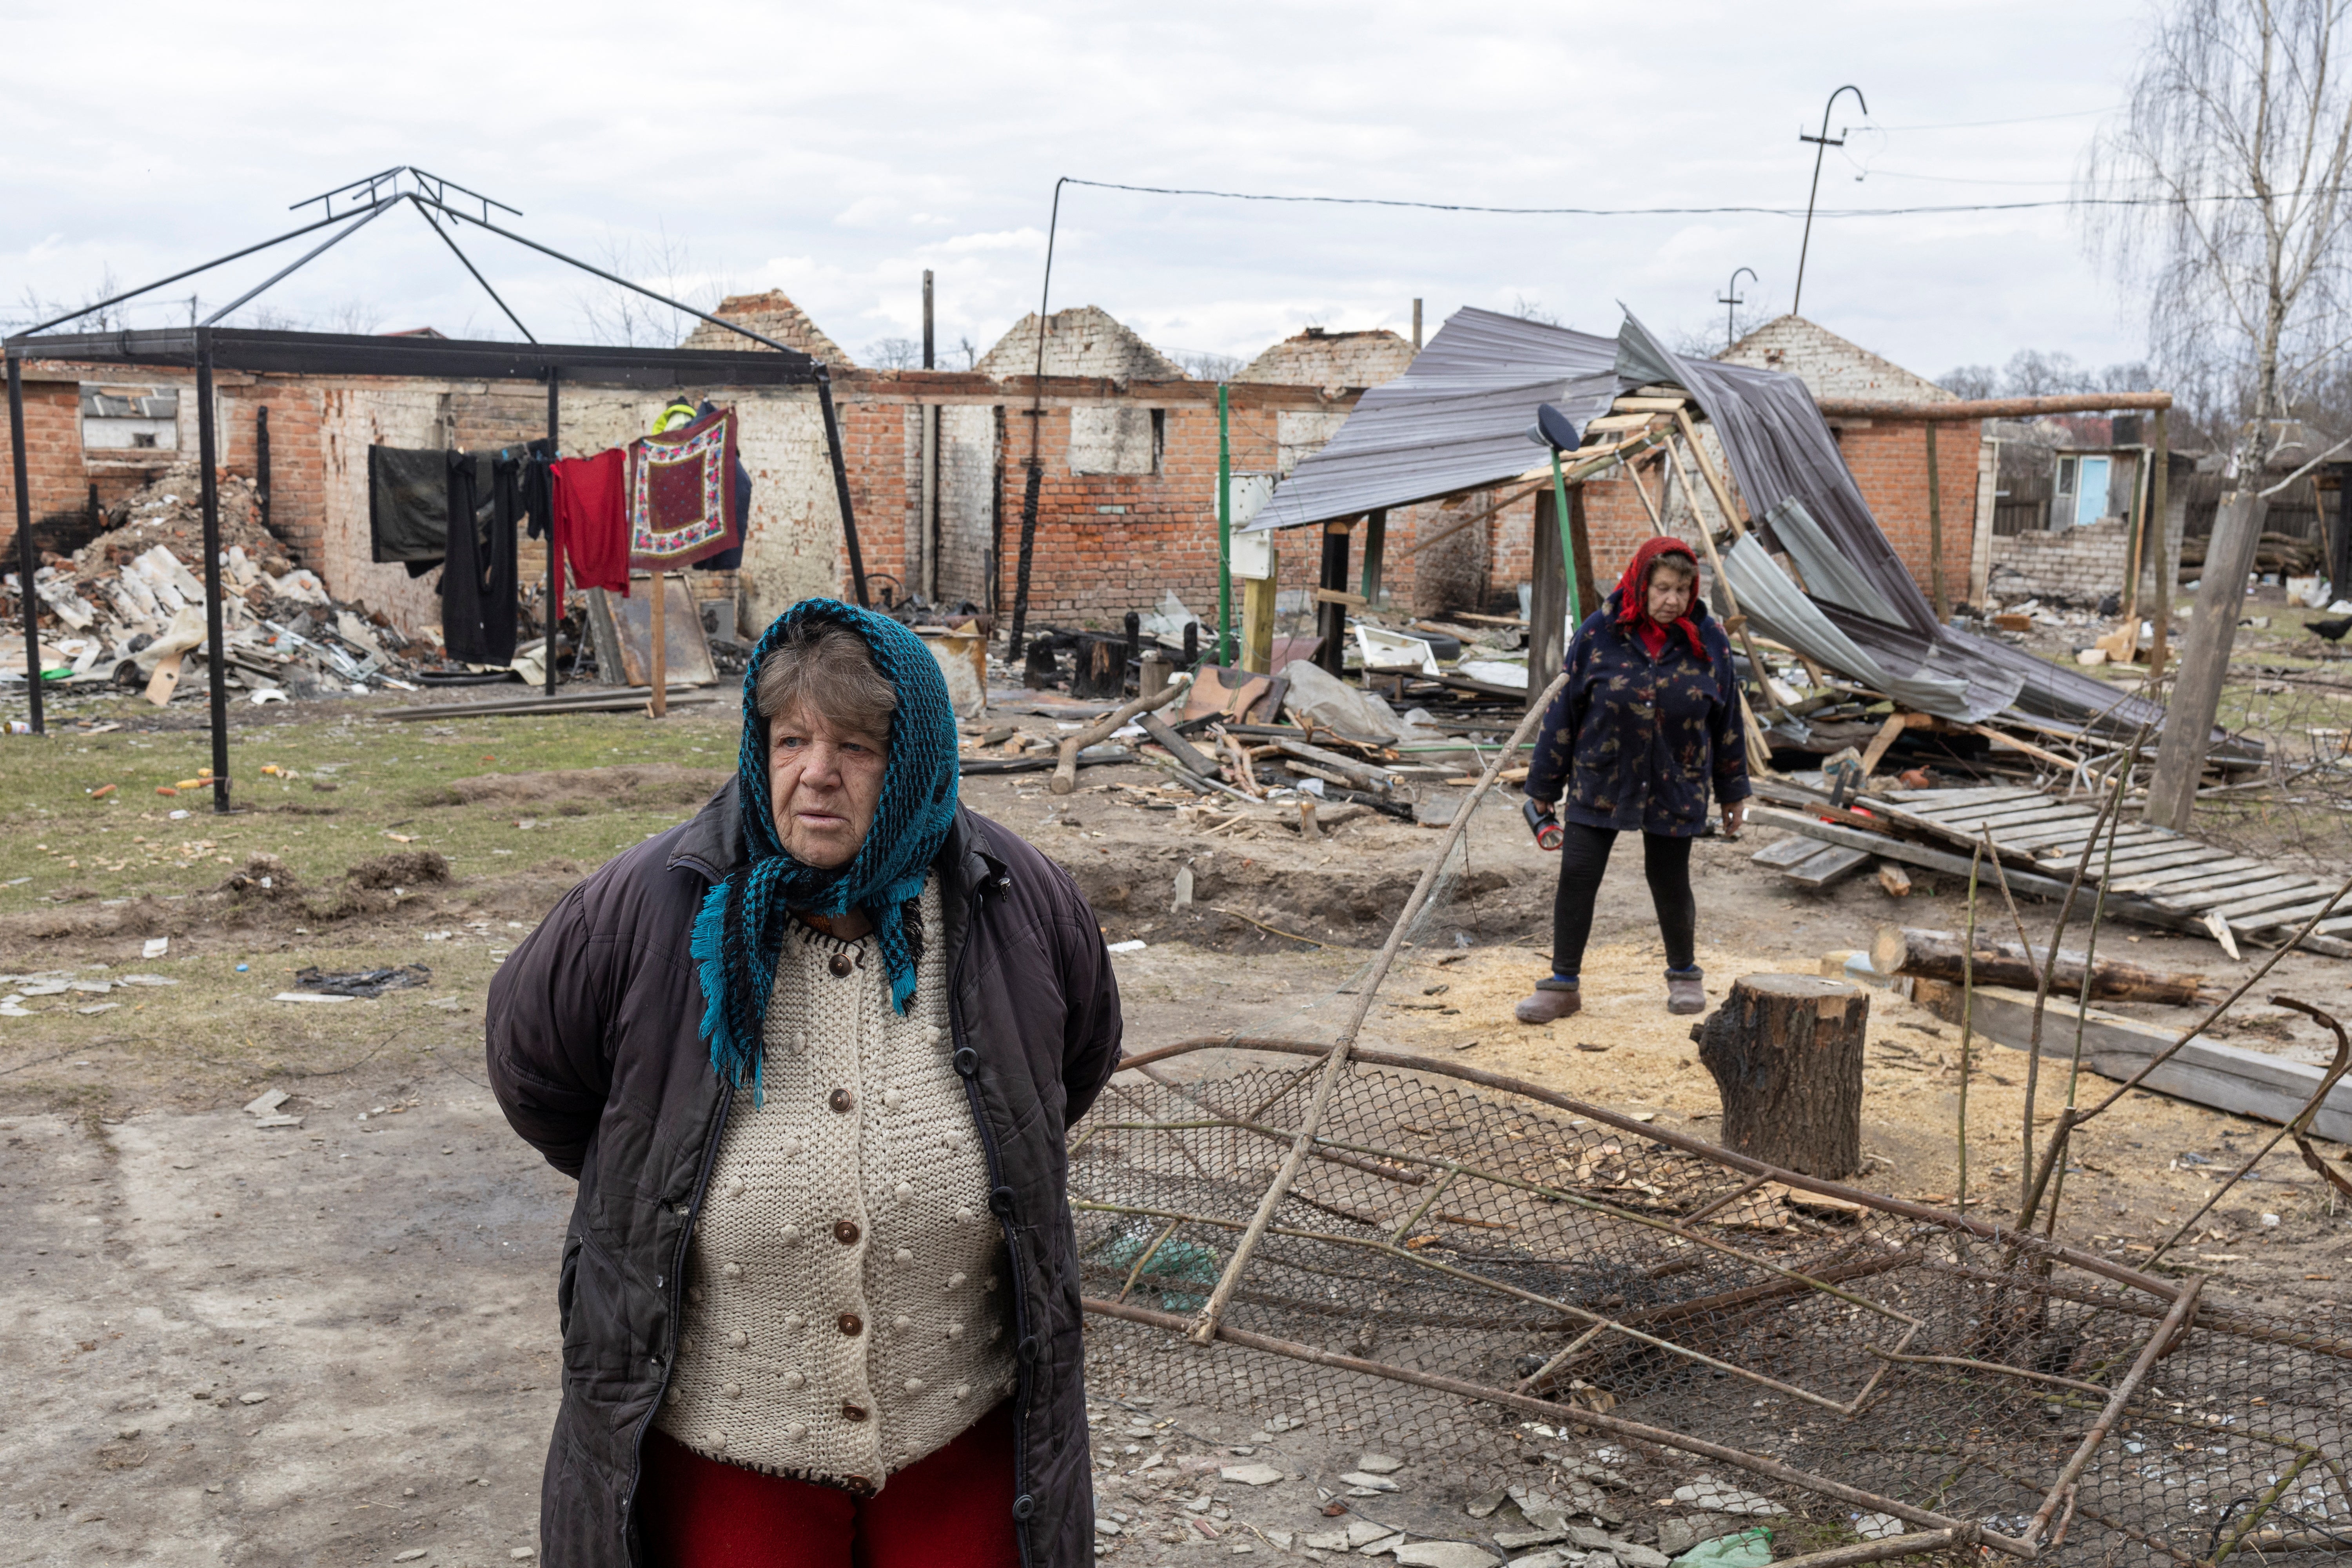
(1807, 505)
(1457, 420)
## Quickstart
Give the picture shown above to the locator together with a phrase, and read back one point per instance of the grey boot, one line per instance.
(1685, 991)
(1553, 1000)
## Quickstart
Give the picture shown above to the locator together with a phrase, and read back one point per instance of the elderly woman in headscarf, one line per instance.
(812, 1057)
(1647, 729)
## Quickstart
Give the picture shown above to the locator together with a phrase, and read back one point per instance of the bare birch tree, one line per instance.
(2220, 190)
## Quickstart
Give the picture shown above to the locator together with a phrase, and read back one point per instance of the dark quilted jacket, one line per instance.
(595, 1059)
(1633, 742)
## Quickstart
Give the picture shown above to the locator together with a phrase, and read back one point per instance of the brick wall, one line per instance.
(55, 483)
(2077, 563)
(971, 477)
(1106, 543)
(1889, 461)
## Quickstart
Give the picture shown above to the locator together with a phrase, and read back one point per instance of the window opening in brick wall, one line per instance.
(1116, 440)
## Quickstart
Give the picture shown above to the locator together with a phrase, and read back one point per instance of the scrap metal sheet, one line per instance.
(1457, 420)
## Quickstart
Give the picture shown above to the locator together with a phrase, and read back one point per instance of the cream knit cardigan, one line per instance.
(847, 1291)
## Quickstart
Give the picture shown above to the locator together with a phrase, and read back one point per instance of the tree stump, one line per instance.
(1786, 1053)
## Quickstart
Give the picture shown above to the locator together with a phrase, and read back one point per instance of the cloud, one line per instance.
(812, 149)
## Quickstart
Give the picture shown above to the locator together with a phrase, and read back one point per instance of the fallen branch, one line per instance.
(1065, 771)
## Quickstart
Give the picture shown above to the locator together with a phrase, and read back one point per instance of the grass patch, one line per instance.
(435, 844)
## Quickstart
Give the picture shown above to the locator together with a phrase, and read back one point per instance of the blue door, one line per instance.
(2090, 491)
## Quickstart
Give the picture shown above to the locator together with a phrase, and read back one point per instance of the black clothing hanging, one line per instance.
(479, 579)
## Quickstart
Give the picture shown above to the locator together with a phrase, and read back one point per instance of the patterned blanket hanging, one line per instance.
(682, 494)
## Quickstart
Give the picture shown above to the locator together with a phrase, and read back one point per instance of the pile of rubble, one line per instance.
(127, 608)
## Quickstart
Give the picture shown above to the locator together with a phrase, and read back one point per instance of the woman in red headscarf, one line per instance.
(1646, 730)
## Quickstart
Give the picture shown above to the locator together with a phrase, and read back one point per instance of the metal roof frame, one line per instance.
(207, 347)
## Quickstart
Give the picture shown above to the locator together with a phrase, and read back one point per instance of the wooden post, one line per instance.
(659, 703)
(2205, 661)
(1547, 603)
(1706, 472)
(1375, 534)
(2136, 557)
(1257, 615)
(554, 616)
(1935, 532)
(2168, 587)
(1331, 619)
(1588, 591)
(1786, 1053)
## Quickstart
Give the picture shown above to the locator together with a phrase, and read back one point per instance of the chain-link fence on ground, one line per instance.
(1468, 1268)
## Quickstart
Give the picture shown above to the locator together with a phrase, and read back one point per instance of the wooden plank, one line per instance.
(2065, 853)
(2026, 883)
(2214, 891)
(2282, 921)
(2189, 876)
(2136, 859)
(1177, 747)
(2047, 847)
(2060, 837)
(1934, 800)
(2002, 821)
(2308, 899)
(2205, 1072)
(2221, 899)
(2141, 838)
(1827, 865)
(1888, 733)
(1788, 852)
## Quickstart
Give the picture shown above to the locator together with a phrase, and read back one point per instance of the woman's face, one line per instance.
(1669, 593)
(824, 781)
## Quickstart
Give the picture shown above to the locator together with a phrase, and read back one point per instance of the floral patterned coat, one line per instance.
(1634, 742)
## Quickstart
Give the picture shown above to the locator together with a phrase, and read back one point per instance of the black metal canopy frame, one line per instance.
(208, 347)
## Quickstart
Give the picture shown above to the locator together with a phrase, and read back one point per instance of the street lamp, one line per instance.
(1730, 300)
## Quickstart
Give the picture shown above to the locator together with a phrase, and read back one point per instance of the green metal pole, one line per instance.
(1567, 540)
(1225, 655)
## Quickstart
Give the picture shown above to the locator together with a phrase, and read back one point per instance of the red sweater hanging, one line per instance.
(591, 526)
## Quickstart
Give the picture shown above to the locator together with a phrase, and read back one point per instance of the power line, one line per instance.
(2022, 119)
(1864, 174)
(1682, 211)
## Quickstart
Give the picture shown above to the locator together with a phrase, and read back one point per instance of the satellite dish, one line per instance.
(1554, 429)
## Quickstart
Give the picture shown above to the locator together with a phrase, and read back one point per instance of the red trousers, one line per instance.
(953, 1509)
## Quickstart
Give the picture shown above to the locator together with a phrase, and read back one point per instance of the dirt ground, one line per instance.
(333, 1339)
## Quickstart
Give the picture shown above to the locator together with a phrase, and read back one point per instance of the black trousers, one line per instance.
(1584, 856)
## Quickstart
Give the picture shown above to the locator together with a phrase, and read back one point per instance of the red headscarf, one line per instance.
(1634, 597)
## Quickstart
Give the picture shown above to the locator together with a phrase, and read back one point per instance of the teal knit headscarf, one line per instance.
(741, 926)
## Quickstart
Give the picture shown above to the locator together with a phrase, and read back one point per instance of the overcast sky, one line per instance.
(834, 152)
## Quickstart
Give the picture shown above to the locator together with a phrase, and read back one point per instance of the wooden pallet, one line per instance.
(2195, 882)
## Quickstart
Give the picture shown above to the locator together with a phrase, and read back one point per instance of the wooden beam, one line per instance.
(1477, 516)
(1936, 534)
(1991, 407)
(1706, 470)
(2167, 588)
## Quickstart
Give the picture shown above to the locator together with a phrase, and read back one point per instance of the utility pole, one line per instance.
(1416, 326)
(928, 556)
(1730, 300)
(2205, 656)
(1821, 144)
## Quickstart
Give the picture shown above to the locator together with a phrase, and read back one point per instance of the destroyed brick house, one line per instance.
(936, 467)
